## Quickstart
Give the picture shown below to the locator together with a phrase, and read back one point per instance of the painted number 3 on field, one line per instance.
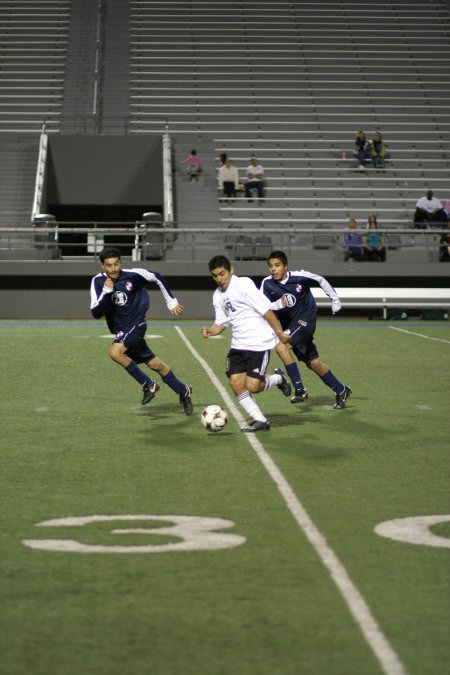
(195, 533)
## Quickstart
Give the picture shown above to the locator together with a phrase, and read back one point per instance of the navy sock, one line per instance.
(174, 383)
(295, 377)
(334, 384)
(133, 370)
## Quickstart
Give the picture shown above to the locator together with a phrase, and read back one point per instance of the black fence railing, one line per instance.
(142, 242)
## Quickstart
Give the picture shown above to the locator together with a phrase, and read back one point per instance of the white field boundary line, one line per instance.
(411, 332)
(358, 607)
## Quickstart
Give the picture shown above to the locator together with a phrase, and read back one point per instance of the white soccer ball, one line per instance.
(214, 417)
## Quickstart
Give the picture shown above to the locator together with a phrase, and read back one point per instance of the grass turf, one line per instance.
(76, 442)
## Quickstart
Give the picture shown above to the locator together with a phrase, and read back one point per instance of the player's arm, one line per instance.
(273, 322)
(101, 289)
(172, 303)
(330, 291)
(206, 332)
(325, 286)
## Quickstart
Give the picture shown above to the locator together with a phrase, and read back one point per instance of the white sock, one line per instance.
(272, 381)
(251, 407)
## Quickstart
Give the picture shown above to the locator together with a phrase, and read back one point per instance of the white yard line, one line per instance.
(411, 332)
(358, 607)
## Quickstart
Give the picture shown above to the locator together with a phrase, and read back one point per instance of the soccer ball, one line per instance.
(214, 418)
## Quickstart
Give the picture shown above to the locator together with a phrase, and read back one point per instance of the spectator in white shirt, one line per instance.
(255, 180)
(429, 210)
(228, 179)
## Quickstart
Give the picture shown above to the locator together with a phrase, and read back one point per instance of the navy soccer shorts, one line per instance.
(254, 364)
(302, 341)
(137, 348)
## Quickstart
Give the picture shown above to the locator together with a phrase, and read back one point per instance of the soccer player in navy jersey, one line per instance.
(295, 306)
(120, 295)
(255, 331)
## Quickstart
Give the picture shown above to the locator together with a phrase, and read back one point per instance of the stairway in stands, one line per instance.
(33, 41)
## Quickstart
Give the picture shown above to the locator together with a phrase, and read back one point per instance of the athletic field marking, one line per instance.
(410, 332)
(358, 607)
(423, 407)
(197, 533)
(414, 530)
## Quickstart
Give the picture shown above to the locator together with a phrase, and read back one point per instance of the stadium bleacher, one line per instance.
(290, 84)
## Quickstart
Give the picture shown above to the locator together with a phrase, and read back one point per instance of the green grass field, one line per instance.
(305, 586)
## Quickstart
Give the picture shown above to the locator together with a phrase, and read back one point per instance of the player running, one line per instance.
(121, 297)
(295, 307)
(255, 331)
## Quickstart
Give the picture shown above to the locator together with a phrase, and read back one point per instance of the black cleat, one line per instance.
(299, 396)
(342, 397)
(284, 385)
(256, 425)
(186, 402)
(150, 392)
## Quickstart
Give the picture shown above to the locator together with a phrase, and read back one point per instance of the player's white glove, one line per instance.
(335, 305)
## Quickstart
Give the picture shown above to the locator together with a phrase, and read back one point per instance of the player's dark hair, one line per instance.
(279, 255)
(219, 261)
(109, 252)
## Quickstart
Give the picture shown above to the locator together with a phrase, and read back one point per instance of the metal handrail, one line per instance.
(168, 203)
(98, 66)
(40, 173)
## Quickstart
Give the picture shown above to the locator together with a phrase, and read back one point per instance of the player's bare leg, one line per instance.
(118, 354)
(244, 386)
(184, 391)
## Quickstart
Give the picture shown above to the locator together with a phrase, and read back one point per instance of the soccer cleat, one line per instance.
(150, 392)
(342, 397)
(256, 425)
(284, 385)
(299, 396)
(186, 401)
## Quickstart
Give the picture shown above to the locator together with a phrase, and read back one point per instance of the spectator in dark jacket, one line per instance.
(362, 149)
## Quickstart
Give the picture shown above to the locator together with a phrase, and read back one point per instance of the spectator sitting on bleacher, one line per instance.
(429, 210)
(362, 149)
(228, 179)
(353, 242)
(374, 244)
(378, 150)
(255, 180)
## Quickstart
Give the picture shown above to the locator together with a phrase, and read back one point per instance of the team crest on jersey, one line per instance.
(290, 299)
(298, 288)
(120, 298)
(128, 285)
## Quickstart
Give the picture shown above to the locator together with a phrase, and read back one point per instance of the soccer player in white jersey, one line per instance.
(255, 331)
